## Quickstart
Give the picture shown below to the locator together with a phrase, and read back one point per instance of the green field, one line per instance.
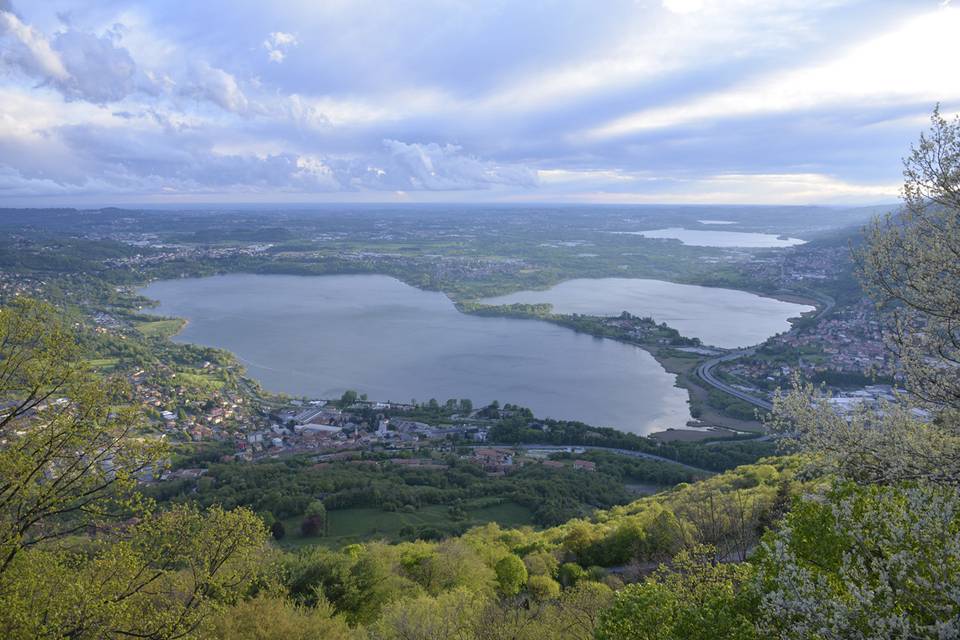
(160, 328)
(103, 364)
(358, 524)
(200, 381)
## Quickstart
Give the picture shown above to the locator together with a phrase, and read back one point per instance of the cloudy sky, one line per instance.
(615, 101)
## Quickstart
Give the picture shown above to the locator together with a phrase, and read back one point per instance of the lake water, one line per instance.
(720, 317)
(725, 239)
(318, 336)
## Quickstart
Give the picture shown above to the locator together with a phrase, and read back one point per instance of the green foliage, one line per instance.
(286, 488)
(570, 573)
(348, 398)
(511, 574)
(865, 561)
(160, 328)
(454, 614)
(68, 461)
(910, 264)
(694, 598)
(68, 467)
(314, 519)
(731, 406)
(541, 563)
(268, 617)
(543, 587)
(562, 432)
(160, 580)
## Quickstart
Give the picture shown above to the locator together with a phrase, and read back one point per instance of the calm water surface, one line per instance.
(726, 239)
(318, 336)
(720, 317)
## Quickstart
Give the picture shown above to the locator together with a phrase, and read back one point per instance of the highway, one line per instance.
(705, 370)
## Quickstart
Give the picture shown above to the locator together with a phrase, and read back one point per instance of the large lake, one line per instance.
(721, 317)
(724, 239)
(318, 336)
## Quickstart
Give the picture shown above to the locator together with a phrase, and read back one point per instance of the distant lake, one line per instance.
(704, 238)
(320, 335)
(721, 317)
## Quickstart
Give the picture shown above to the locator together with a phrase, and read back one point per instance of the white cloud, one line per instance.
(683, 6)
(277, 44)
(651, 47)
(444, 167)
(217, 86)
(739, 188)
(30, 50)
(316, 173)
(566, 176)
(914, 63)
(323, 112)
(507, 94)
(99, 70)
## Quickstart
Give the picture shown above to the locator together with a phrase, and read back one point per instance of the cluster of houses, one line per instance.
(850, 338)
(848, 341)
(14, 284)
(796, 265)
(214, 417)
(174, 252)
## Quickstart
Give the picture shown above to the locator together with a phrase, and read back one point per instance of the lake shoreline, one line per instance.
(416, 345)
(680, 369)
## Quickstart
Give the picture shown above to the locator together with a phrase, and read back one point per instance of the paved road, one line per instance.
(705, 370)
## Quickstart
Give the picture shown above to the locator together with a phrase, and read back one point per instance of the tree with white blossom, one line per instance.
(876, 552)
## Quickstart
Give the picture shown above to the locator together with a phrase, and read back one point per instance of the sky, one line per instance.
(525, 101)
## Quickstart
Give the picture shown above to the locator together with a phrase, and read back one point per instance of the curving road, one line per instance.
(705, 370)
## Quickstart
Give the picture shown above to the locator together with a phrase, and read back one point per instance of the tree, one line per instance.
(875, 554)
(867, 445)
(370, 584)
(348, 398)
(911, 264)
(452, 615)
(278, 531)
(541, 563)
(268, 617)
(67, 462)
(694, 598)
(866, 562)
(160, 580)
(267, 516)
(511, 574)
(578, 610)
(314, 519)
(570, 573)
(68, 466)
(543, 587)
